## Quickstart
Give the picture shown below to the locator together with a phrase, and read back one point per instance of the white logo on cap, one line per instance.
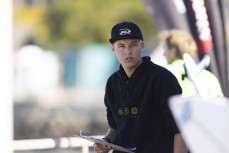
(125, 31)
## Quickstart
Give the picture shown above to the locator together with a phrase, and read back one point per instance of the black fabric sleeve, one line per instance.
(110, 118)
(167, 86)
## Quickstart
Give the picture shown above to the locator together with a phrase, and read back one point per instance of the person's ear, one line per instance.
(142, 44)
(112, 47)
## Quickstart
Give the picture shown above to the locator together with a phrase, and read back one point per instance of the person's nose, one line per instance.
(128, 50)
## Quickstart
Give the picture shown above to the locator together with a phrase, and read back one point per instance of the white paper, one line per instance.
(98, 139)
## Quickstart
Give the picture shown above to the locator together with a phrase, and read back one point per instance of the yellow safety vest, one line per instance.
(205, 78)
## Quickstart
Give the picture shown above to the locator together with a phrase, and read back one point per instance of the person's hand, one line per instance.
(99, 148)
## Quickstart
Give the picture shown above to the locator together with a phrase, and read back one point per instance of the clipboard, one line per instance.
(99, 140)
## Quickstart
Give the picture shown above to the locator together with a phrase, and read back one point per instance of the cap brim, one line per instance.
(114, 40)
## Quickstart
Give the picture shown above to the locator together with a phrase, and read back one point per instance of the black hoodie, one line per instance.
(138, 108)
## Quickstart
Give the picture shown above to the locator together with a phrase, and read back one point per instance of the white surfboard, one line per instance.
(193, 69)
(204, 123)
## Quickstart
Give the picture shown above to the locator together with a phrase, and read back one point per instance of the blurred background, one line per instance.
(62, 58)
(62, 61)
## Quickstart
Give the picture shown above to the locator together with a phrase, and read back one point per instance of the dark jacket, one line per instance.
(138, 108)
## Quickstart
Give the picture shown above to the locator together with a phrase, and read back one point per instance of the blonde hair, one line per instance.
(181, 40)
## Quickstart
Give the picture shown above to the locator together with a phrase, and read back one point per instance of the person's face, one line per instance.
(128, 52)
(169, 53)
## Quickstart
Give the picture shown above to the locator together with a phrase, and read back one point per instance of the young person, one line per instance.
(177, 43)
(136, 98)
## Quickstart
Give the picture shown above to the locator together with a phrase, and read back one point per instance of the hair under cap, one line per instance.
(125, 30)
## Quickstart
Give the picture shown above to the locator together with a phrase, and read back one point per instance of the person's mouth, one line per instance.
(128, 58)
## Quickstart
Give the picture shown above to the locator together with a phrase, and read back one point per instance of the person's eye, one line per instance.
(134, 45)
(120, 46)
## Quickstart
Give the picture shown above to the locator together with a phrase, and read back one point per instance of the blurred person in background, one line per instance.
(177, 43)
(136, 99)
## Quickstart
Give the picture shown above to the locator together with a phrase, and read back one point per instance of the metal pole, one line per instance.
(6, 77)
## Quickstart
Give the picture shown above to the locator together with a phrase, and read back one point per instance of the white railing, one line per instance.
(49, 143)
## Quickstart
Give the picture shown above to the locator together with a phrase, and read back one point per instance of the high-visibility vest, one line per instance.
(205, 78)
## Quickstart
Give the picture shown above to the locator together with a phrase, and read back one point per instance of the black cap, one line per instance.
(125, 30)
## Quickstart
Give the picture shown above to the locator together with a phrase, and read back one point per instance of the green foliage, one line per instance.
(79, 22)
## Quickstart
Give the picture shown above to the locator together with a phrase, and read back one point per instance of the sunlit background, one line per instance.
(61, 61)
